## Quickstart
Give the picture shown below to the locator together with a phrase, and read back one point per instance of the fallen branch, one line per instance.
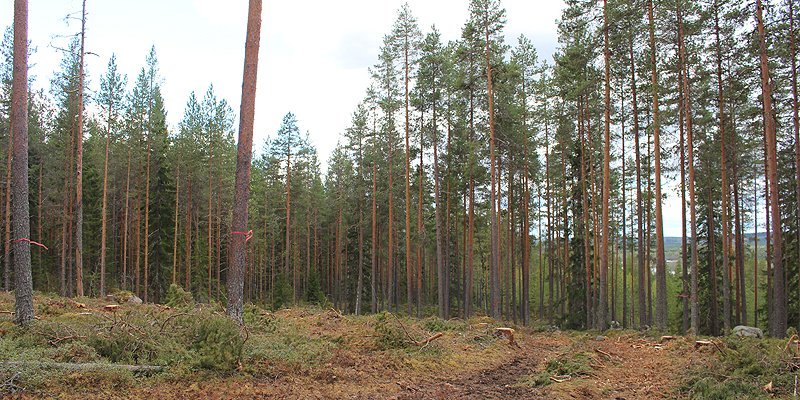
(426, 342)
(560, 378)
(164, 324)
(607, 355)
(82, 366)
(58, 340)
(9, 386)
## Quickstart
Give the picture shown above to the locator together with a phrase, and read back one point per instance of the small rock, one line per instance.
(600, 338)
(135, 300)
(748, 331)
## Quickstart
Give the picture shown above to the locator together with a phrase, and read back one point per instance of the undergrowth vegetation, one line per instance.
(745, 368)
(193, 341)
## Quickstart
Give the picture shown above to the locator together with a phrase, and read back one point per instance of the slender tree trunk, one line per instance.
(606, 181)
(175, 231)
(739, 241)
(624, 219)
(795, 118)
(188, 229)
(79, 167)
(138, 247)
(682, 143)
(549, 218)
(390, 281)
(147, 224)
(661, 271)
(219, 241)
(7, 241)
(726, 284)
(640, 228)
(495, 253)
(421, 234)
(712, 260)
(470, 248)
(287, 244)
(360, 283)
(585, 217)
(440, 267)
(210, 196)
(104, 211)
(690, 155)
(23, 281)
(374, 253)
(779, 316)
(243, 159)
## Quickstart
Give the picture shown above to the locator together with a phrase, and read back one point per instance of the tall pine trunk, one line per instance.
(640, 229)
(726, 284)
(661, 269)
(243, 159)
(175, 230)
(374, 253)
(495, 226)
(79, 166)
(795, 118)
(778, 318)
(103, 229)
(23, 281)
(690, 155)
(409, 266)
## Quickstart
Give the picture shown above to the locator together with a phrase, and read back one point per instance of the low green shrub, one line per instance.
(179, 298)
(389, 335)
(741, 371)
(436, 324)
(571, 364)
(217, 344)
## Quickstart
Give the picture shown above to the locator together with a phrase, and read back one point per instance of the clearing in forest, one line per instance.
(76, 348)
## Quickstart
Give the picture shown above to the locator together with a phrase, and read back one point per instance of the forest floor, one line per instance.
(318, 353)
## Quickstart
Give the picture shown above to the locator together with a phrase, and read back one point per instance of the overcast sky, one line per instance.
(314, 57)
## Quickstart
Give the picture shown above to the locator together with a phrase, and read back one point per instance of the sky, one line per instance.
(314, 56)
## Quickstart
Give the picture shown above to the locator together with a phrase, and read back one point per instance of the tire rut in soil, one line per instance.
(501, 382)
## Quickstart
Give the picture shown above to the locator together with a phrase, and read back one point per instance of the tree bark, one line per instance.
(175, 230)
(495, 226)
(640, 230)
(690, 156)
(23, 281)
(210, 196)
(661, 271)
(243, 159)
(146, 280)
(681, 125)
(726, 289)
(409, 267)
(79, 167)
(795, 118)
(374, 253)
(779, 316)
(104, 211)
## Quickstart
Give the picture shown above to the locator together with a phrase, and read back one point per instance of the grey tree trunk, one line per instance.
(23, 281)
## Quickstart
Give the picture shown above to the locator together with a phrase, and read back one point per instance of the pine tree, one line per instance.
(23, 281)
(243, 159)
(112, 86)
